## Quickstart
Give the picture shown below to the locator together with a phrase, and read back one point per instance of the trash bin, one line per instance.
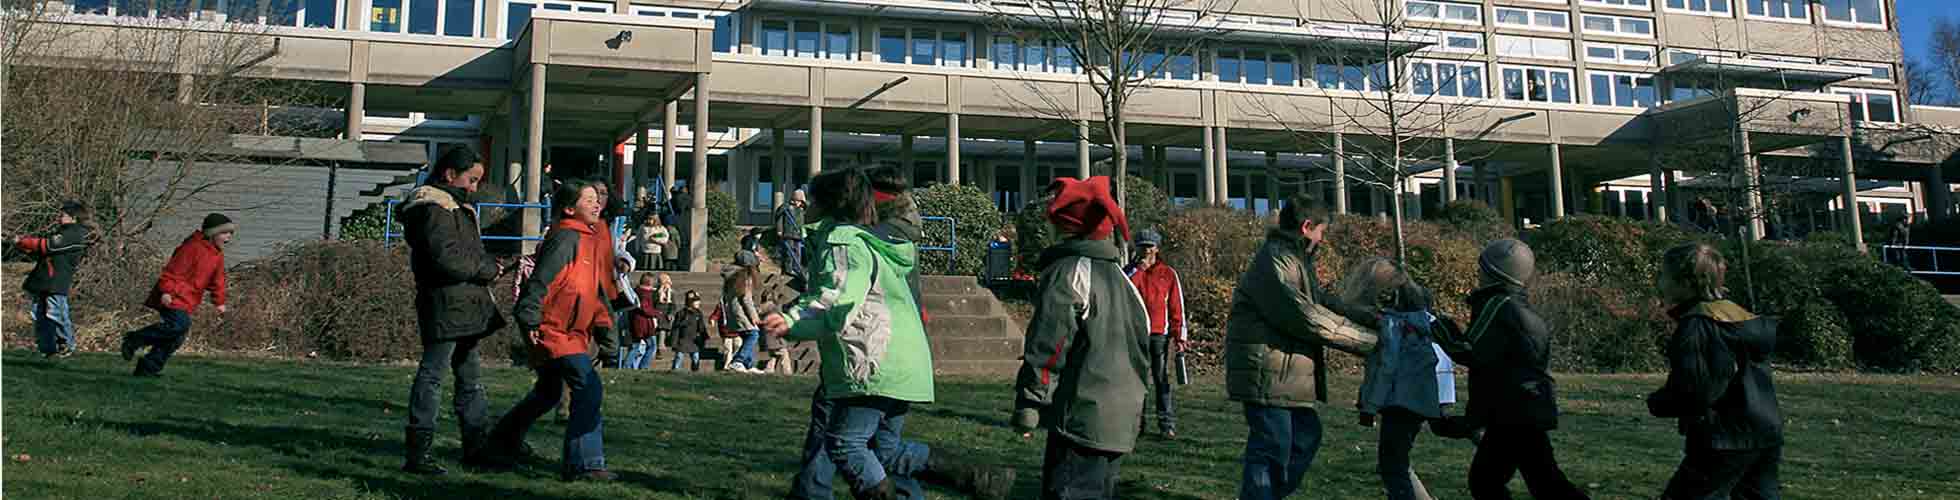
(1000, 262)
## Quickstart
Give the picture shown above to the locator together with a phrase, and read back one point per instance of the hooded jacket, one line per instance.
(690, 330)
(55, 258)
(1084, 366)
(1282, 324)
(646, 317)
(1508, 351)
(1718, 382)
(1163, 296)
(452, 271)
(564, 297)
(898, 219)
(196, 267)
(860, 311)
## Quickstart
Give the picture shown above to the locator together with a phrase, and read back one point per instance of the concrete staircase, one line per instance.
(971, 332)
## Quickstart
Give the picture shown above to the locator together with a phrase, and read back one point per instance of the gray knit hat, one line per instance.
(1506, 262)
(1149, 238)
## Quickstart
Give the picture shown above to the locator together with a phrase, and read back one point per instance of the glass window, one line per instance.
(1623, 90)
(725, 35)
(237, 11)
(1538, 48)
(1004, 53)
(1064, 58)
(1283, 70)
(1613, 53)
(1255, 67)
(1872, 105)
(459, 18)
(1703, 7)
(925, 47)
(589, 8)
(1034, 56)
(1796, 10)
(891, 46)
(383, 16)
(1423, 78)
(1470, 79)
(520, 16)
(1468, 14)
(775, 38)
(91, 6)
(1541, 20)
(422, 16)
(1228, 66)
(1153, 63)
(1856, 12)
(1524, 83)
(1183, 67)
(1448, 78)
(954, 46)
(1426, 10)
(807, 35)
(837, 41)
(323, 13)
(1617, 25)
(1624, 4)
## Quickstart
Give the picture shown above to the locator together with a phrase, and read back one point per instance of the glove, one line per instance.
(1367, 420)
(1025, 419)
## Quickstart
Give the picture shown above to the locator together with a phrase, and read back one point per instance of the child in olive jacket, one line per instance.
(1718, 386)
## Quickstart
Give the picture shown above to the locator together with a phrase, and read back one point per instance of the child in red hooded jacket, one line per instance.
(197, 267)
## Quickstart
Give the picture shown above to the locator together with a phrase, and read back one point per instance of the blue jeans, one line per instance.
(54, 331)
(1278, 450)
(746, 356)
(792, 256)
(693, 358)
(584, 442)
(813, 479)
(640, 355)
(863, 437)
(163, 339)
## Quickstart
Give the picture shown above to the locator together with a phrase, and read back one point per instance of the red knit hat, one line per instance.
(1085, 208)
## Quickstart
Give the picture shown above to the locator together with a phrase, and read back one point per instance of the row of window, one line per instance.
(1857, 13)
(1842, 12)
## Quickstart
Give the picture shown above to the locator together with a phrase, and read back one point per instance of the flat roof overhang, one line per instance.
(1774, 119)
(606, 74)
(1738, 67)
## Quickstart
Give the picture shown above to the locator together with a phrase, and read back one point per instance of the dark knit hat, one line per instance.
(76, 209)
(216, 224)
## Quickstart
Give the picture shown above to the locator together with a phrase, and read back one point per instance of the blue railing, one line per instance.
(1920, 260)
(388, 233)
(952, 247)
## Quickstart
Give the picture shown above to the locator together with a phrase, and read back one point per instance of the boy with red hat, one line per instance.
(1083, 375)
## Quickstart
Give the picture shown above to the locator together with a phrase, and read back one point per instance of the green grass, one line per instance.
(242, 428)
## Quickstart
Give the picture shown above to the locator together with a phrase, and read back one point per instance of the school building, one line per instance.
(1576, 105)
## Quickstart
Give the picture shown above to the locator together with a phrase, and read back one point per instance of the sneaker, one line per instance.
(738, 367)
(130, 344)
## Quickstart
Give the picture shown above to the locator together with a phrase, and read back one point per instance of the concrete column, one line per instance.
(779, 167)
(1753, 171)
(905, 156)
(534, 157)
(1340, 174)
(1160, 165)
(1208, 190)
(642, 166)
(1082, 149)
(1849, 175)
(1657, 195)
(1378, 202)
(1480, 184)
(356, 109)
(1028, 168)
(669, 130)
(1449, 173)
(953, 148)
(816, 141)
(698, 182)
(1939, 196)
(1272, 180)
(1224, 168)
(1505, 201)
(1558, 184)
(514, 144)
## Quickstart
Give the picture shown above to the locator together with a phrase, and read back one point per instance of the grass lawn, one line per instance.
(241, 428)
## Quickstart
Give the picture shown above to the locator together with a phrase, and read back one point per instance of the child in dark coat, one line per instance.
(1718, 384)
(56, 256)
(690, 333)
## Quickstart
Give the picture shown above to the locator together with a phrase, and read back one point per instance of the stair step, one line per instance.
(970, 327)
(962, 349)
(962, 305)
(951, 285)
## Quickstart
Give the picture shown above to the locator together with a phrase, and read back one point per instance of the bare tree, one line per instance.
(1120, 46)
(1922, 86)
(1946, 54)
(123, 112)
(1401, 118)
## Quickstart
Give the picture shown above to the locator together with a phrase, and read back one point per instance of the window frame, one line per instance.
(1649, 7)
(1652, 80)
(974, 45)
(537, 5)
(1445, 35)
(1268, 52)
(1619, 26)
(1310, 72)
(1806, 10)
(1531, 17)
(1483, 84)
(822, 51)
(1619, 54)
(1686, 8)
(1882, 23)
(1861, 103)
(1572, 81)
(1889, 70)
(1443, 12)
(1499, 49)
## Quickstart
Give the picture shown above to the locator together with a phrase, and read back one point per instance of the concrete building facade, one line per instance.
(1578, 103)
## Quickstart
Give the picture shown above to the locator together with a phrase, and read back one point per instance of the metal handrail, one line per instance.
(388, 235)
(1902, 255)
(953, 241)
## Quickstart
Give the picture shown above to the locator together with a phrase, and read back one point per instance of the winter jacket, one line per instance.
(789, 222)
(1282, 324)
(1718, 380)
(739, 313)
(863, 317)
(198, 266)
(1163, 296)
(656, 240)
(1084, 366)
(563, 298)
(690, 331)
(452, 271)
(1407, 369)
(898, 218)
(646, 318)
(1508, 351)
(55, 258)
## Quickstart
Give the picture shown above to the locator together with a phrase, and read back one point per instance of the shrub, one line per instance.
(1212, 242)
(1605, 250)
(340, 299)
(1475, 219)
(975, 219)
(366, 223)
(721, 214)
(1146, 205)
(1032, 235)
(1898, 322)
(1595, 328)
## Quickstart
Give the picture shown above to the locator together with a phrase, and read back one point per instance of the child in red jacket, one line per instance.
(197, 267)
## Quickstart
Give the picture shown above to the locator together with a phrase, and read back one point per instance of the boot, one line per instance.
(478, 452)
(420, 461)
(986, 482)
(885, 490)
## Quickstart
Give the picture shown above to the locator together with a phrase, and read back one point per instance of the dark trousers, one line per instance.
(1507, 451)
(1160, 379)
(813, 478)
(792, 263)
(163, 339)
(1072, 472)
(1399, 429)
(584, 434)
(1712, 474)
(1279, 448)
(438, 358)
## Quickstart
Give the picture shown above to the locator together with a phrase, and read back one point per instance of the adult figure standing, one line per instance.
(1275, 346)
(789, 234)
(453, 308)
(1163, 298)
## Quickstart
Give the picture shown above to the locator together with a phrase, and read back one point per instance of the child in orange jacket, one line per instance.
(196, 268)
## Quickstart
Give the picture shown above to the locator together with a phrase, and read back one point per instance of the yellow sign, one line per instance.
(386, 15)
